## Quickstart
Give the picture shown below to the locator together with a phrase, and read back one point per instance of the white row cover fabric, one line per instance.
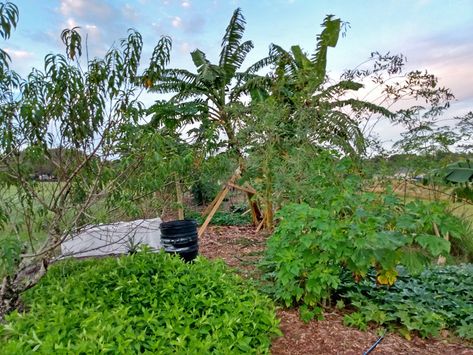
(115, 238)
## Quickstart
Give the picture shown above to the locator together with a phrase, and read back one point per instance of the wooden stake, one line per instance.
(209, 208)
(180, 208)
(213, 207)
(249, 190)
(260, 225)
(212, 204)
(442, 259)
(212, 212)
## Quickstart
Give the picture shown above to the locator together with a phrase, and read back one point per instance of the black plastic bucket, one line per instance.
(180, 237)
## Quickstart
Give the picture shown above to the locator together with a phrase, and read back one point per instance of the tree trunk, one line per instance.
(27, 276)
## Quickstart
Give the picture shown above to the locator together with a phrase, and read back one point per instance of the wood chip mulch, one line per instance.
(242, 248)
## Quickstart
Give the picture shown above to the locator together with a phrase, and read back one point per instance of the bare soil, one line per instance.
(241, 248)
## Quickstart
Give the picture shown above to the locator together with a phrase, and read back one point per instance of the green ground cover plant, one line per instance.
(439, 298)
(141, 303)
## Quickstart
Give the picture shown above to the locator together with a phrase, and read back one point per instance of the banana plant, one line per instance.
(209, 96)
(300, 84)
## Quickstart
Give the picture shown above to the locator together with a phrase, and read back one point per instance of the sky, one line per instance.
(434, 35)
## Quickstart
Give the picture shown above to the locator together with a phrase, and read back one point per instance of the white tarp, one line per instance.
(115, 238)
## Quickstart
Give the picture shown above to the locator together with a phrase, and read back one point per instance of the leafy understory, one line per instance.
(439, 298)
(142, 303)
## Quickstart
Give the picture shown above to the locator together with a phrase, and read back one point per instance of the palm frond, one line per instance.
(232, 38)
(260, 64)
(338, 88)
(199, 59)
(328, 38)
(179, 75)
(256, 84)
(339, 130)
(359, 105)
(236, 60)
(176, 115)
(285, 64)
(300, 58)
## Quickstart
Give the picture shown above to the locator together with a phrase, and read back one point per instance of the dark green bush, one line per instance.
(223, 218)
(142, 303)
(463, 192)
(211, 175)
(438, 298)
(357, 231)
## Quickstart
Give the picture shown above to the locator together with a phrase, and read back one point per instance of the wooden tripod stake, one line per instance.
(214, 206)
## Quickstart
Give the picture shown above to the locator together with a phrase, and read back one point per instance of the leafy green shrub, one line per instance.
(145, 302)
(462, 245)
(357, 231)
(210, 176)
(438, 298)
(231, 219)
(10, 249)
(222, 218)
(463, 192)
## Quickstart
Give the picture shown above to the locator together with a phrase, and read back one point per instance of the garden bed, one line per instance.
(241, 248)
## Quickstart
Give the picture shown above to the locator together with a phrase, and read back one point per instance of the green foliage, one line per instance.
(462, 246)
(210, 175)
(343, 227)
(464, 192)
(74, 119)
(142, 303)
(10, 249)
(223, 218)
(438, 298)
(207, 96)
(8, 20)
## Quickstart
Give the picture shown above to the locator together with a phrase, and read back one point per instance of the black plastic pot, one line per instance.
(180, 237)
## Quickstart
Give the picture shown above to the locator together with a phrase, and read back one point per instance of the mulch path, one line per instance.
(241, 248)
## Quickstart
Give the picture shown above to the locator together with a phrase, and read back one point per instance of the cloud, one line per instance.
(194, 24)
(185, 48)
(423, 2)
(185, 4)
(18, 54)
(130, 13)
(21, 60)
(101, 22)
(190, 24)
(448, 56)
(86, 9)
(176, 22)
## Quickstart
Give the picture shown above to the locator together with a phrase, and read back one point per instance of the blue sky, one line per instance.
(436, 35)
